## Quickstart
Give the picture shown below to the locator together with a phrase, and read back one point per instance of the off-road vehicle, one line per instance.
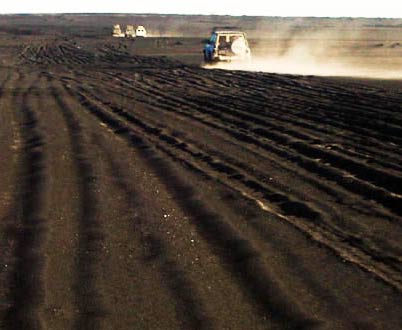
(226, 45)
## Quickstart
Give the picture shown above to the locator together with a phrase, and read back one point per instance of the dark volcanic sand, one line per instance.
(143, 193)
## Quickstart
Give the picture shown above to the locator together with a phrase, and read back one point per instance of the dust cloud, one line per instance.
(320, 54)
(305, 65)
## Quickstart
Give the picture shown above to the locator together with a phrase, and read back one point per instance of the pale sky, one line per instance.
(318, 8)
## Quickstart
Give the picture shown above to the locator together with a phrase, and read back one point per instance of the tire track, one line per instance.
(29, 230)
(227, 111)
(90, 236)
(326, 188)
(124, 116)
(242, 260)
(337, 141)
(321, 90)
(56, 53)
(310, 163)
(367, 244)
(258, 108)
(257, 104)
(9, 144)
(345, 245)
(189, 308)
(381, 178)
(357, 188)
(285, 140)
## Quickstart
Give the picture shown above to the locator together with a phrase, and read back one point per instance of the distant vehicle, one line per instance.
(226, 45)
(117, 31)
(130, 31)
(140, 31)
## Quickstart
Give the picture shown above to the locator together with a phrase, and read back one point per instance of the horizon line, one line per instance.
(198, 14)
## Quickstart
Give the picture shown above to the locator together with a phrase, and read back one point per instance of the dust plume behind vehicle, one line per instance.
(323, 54)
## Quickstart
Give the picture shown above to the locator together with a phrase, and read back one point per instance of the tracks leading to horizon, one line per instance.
(90, 232)
(320, 225)
(324, 221)
(175, 197)
(28, 229)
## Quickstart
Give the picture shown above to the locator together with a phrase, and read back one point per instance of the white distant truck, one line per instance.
(131, 32)
(140, 31)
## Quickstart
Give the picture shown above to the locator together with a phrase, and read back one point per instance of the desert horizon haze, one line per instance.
(305, 8)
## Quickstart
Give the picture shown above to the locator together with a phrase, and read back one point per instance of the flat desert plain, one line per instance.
(140, 189)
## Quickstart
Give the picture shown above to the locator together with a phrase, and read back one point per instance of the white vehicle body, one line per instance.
(227, 46)
(140, 31)
(117, 31)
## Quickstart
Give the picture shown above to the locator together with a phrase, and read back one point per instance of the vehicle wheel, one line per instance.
(208, 57)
